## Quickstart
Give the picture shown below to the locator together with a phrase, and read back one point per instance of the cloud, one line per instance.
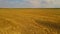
(29, 3)
(20, 3)
(35, 3)
(15, 4)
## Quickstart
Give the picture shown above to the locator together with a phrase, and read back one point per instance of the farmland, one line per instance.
(29, 21)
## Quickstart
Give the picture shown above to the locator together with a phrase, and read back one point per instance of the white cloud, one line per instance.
(35, 3)
(29, 3)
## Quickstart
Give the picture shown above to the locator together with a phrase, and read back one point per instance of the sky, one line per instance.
(29, 3)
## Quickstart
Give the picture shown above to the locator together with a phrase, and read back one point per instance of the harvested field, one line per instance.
(29, 21)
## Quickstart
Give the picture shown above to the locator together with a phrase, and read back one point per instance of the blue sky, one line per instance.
(29, 3)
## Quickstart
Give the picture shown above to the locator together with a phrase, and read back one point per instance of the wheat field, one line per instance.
(29, 21)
